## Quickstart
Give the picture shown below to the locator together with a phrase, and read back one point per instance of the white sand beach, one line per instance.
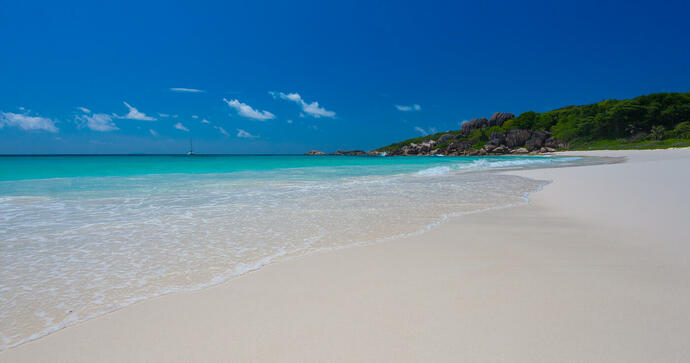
(596, 268)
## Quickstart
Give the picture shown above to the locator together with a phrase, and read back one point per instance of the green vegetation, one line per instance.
(658, 120)
(417, 140)
(612, 119)
(620, 144)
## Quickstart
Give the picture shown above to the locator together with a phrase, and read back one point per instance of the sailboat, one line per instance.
(191, 150)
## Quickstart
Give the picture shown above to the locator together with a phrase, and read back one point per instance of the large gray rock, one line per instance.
(411, 149)
(501, 149)
(473, 124)
(478, 123)
(315, 152)
(516, 138)
(427, 146)
(536, 141)
(445, 138)
(497, 138)
(555, 143)
(498, 118)
(352, 152)
(459, 146)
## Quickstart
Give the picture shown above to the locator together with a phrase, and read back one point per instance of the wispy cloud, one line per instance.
(244, 134)
(180, 126)
(289, 121)
(195, 116)
(84, 109)
(404, 108)
(187, 90)
(222, 130)
(134, 114)
(97, 122)
(205, 121)
(26, 122)
(313, 109)
(163, 115)
(247, 111)
(153, 132)
(431, 130)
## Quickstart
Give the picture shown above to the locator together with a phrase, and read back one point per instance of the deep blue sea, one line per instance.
(84, 235)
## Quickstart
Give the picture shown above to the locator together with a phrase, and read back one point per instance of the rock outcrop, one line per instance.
(424, 148)
(497, 119)
(445, 138)
(474, 124)
(517, 138)
(315, 152)
(514, 141)
(349, 153)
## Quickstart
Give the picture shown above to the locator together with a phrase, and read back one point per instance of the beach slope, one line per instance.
(596, 268)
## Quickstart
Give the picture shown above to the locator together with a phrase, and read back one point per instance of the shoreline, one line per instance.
(163, 332)
(221, 279)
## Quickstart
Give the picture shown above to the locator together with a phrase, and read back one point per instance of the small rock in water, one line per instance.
(315, 152)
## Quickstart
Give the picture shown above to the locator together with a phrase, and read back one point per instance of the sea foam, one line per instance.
(80, 246)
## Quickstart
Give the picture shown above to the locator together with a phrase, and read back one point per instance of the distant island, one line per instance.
(659, 120)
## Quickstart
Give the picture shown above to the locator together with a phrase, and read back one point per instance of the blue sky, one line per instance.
(286, 77)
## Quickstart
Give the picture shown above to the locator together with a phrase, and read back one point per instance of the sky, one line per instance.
(287, 77)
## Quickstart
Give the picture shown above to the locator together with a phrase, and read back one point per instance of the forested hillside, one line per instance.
(655, 120)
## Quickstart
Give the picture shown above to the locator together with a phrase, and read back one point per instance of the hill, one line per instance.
(651, 121)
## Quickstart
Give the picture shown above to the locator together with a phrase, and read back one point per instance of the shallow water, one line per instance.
(84, 235)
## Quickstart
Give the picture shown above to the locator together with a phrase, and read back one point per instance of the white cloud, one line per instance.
(404, 108)
(245, 110)
(175, 116)
(98, 122)
(180, 126)
(164, 115)
(187, 90)
(195, 116)
(26, 122)
(134, 114)
(21, 108)
(289, 121)
(313, 109)
(84, 109)
(153, 132)
(222, 131)
(205, 121)
(244, 134)
(431, 130)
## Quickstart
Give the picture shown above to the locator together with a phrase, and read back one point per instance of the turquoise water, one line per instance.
(44, 167)
(84, 235)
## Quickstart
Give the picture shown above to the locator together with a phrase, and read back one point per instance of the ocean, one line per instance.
(85, 235)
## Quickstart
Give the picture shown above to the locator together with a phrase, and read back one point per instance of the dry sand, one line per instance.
(596, 268)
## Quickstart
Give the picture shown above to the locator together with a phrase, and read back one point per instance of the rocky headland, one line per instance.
(474, 139)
